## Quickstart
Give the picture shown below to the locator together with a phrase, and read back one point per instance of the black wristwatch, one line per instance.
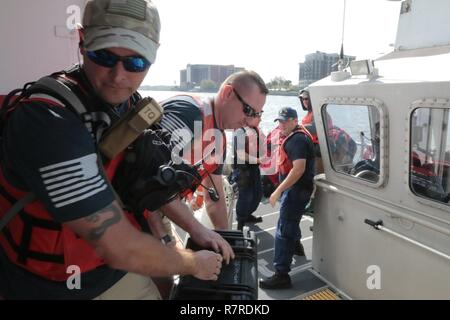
(166, 239)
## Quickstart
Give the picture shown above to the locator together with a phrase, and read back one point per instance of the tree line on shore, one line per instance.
(277, 85)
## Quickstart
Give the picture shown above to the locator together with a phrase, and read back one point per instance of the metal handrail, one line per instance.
(383, 208)
(378, 225)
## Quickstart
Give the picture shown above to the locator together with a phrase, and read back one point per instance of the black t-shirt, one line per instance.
(48, 150)
(52, 154)
(183, 119)
(243, 143)
(299, 146)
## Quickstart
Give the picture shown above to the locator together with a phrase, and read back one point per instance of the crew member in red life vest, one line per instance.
(197, 126)
(296, 168)
(342, 148)
(75, 223)
(268, 164)
(310, 125)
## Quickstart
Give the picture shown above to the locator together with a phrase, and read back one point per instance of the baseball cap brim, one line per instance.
(97, 38)
(281, 118)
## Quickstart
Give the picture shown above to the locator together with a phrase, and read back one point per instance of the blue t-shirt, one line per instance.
(299, 146)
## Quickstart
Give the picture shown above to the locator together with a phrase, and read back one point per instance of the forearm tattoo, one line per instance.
(102, 220)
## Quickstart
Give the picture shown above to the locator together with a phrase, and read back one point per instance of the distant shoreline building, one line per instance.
(318, 65)
(195, 74)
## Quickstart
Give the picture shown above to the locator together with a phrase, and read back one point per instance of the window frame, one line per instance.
(426, 103)
(384, 137)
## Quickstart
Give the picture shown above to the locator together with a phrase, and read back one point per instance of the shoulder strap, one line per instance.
(258, 155)
(63, 90)
(50, 84)
(29, 197)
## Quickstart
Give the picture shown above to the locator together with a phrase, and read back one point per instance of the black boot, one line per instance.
(240, 225)
(252, 219)
(299, 250)
(277, 281)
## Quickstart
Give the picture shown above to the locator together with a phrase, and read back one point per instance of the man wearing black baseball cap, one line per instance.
(296, 169)
(286, 114)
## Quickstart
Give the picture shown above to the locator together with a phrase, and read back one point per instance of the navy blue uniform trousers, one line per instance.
(293, 203)
(250, 192)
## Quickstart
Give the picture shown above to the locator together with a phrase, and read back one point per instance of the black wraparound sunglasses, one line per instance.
(249, 111)
(108, 59)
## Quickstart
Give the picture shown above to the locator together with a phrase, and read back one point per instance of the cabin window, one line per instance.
(353, 139)
(429, 174)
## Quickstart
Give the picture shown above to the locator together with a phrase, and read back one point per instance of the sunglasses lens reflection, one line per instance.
(108, 59)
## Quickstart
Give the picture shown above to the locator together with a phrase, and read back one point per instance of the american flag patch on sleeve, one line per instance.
(71, 181)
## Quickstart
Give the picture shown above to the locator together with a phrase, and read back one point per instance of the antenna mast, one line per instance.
(341, 55)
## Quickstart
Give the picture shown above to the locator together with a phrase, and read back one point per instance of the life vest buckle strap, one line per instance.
(16, 208)
(23, 253)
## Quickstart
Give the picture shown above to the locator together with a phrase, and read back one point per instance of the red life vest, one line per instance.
(198, 196)
(284, 163)
(310, 125)
(308, 118)
(269, 166)
(308, 122)
(209, 161)
(37, 243)
(341, 142)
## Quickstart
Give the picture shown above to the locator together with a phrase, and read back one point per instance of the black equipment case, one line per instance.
(237, 280)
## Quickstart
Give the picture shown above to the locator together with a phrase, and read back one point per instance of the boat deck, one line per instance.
(303, 280)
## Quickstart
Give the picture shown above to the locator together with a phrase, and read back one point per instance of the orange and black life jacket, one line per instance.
(210, 157)
(32, 239)
(284, 164)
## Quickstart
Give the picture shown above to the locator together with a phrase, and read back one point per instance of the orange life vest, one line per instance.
(308, 122)
(284, 163)
(197, 196)
(308, 118)
(36, 242)
(209, 162)
(341, 142)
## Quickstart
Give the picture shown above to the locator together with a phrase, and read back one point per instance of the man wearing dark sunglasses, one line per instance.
(305, 102)
(70, 223)
(198, 125)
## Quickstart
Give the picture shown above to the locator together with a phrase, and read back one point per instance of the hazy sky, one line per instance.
(270, 37)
